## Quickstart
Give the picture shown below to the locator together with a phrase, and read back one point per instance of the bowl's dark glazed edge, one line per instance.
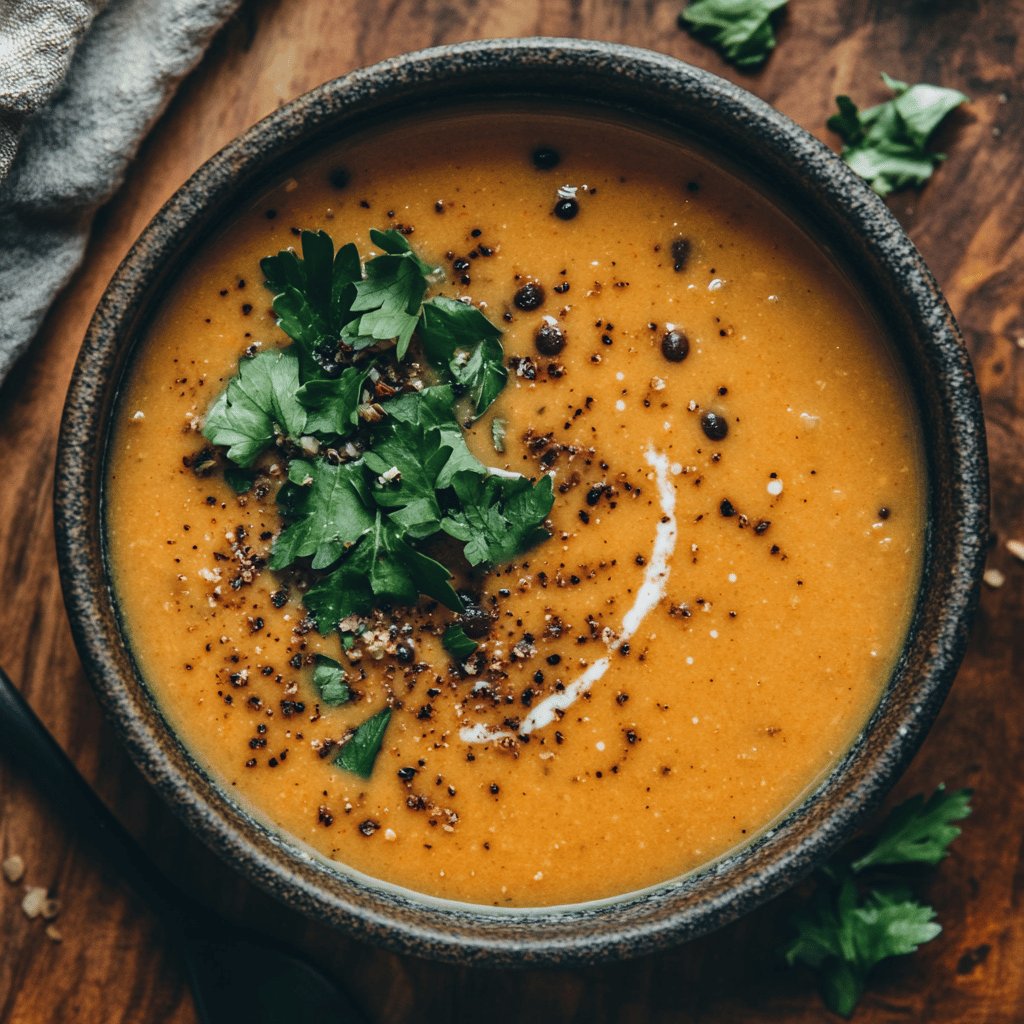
(794, 162)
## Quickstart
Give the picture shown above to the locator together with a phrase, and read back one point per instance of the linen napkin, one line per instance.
(81, 82)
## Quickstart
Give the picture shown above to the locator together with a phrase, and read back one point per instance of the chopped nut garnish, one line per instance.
(371, 412)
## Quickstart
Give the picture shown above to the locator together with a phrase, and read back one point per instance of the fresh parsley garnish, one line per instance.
(435, 407)
(328, 509)
(388, 300)
(313, 295)
(398, 572)
(330, 679)
(859, 915)
(740, 29)
(333, 306)
(457, 644)
(239, 480)
(499, 431)
(360, 752)
(887, 145)
(257, 406)
(460, 339)
(382, 568)
(377, 462)
(407, 459)
(498, 517)
(332, 404)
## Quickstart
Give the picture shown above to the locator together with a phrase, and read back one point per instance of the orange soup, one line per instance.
(696, 632)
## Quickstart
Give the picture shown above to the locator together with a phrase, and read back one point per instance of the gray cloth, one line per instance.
(70, 155)
(37, 39)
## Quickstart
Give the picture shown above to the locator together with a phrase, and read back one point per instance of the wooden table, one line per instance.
(113, 964)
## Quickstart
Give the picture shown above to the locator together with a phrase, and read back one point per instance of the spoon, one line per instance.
(235, 974)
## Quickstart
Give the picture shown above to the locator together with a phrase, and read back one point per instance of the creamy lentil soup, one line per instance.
(735, 540)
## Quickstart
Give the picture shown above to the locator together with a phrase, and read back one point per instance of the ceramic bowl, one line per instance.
(790, 166)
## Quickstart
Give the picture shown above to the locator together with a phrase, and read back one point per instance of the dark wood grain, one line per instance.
(112, 965)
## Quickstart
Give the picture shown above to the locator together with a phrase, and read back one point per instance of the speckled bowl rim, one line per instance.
(790, 163)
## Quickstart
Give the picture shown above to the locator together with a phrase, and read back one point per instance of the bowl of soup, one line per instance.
(522, 502)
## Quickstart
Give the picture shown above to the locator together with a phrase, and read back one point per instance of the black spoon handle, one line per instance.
(27, 742)
(220, 959)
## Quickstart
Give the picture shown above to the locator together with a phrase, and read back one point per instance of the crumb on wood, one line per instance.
(34, 900)
(14, 869)
(994, 578)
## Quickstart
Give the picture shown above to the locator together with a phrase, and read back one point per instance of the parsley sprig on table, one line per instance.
(377, 463)
(860, 915)
(887, 145)
(740, 29)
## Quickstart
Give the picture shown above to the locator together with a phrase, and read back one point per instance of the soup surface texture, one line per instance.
(722, 598)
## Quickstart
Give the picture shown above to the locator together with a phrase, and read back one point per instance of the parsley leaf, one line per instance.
(329, 678)
(845, 935)
(344, 591)
(329, 513)
(457, 644)
(435, 407)
(892, 924)
(389, 298)
(394, 244)
(359, 754)
(460, 340)
(332, 404)
(354, 529)
(382, 567)
(857, 918)
(740, 29)
(498, 517)
(313, 295)
(499, 431)
(418, 455)
(887, 144)
(239, 480)
(918, 832)
(398, 572)
(258, 402)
